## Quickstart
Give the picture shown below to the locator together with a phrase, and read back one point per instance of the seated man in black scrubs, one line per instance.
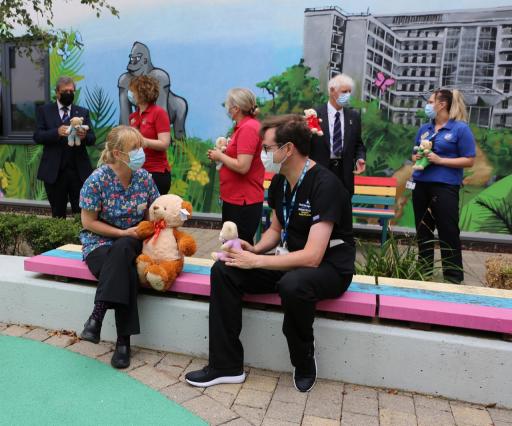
(311, 231)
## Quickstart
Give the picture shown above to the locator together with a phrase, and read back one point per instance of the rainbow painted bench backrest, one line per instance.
(449, 305)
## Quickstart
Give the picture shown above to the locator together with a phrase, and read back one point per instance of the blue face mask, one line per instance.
(131, 98)
(430, 111)
(137, 159)
(343, 99)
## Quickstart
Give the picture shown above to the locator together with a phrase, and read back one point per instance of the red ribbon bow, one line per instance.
(159, 225)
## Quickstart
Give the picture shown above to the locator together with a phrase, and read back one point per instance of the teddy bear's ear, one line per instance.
(187, 206)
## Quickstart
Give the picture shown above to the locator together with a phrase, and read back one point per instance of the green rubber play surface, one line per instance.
(44, 385)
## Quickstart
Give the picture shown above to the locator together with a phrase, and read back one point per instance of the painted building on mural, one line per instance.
(468, 49)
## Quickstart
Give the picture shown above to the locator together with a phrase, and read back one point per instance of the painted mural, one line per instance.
(206, 56)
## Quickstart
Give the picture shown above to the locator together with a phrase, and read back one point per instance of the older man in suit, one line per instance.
(341, 148)
(63, 168)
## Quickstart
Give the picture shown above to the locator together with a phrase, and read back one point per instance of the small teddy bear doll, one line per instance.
(221, 144)
(422, 150)
(229, 238)
(313, 122)
(75, 123)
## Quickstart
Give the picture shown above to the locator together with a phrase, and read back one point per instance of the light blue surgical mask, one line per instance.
(343, 99)
(131, 98)
(267, 158)
(137, 159)
(430, 111)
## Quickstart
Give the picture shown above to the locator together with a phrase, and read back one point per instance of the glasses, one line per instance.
(268, 148)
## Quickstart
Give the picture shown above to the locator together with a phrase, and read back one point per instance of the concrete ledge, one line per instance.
(468, 368)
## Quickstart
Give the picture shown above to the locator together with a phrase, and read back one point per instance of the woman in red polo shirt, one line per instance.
(154, 125)
(241, 174)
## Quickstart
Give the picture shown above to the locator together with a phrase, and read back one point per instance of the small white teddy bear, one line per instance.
(221, 144)
(75, 123)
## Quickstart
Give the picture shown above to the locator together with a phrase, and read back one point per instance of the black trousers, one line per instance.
(66, 187)
(436, 205)
(246, 217)
(118, 282)
(299, 289)
(336, 166)
(162, 181)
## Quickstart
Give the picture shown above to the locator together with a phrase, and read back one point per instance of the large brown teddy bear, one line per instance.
(164, 249)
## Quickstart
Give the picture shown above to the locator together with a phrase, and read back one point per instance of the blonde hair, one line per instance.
(243, 99)
(454, 103)
(118, 139)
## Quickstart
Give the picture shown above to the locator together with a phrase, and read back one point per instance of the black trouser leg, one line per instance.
(246, 217)
(74, 185)
(228, 284)
(162, 181)
(57, 195)
(118, 282)
(300, 289)
(422, 200)
(445, 209)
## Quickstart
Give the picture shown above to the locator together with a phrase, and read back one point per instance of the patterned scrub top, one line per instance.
(116, 206)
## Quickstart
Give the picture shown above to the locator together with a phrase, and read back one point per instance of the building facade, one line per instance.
(470, 50)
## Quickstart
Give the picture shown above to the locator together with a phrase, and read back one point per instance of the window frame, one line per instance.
(10, 136)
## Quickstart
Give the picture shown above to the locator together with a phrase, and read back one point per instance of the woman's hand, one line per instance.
(242, 259)
(434, 158)
(130, 232)
(214, 154)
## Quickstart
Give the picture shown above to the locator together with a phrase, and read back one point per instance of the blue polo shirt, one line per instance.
(453, 140)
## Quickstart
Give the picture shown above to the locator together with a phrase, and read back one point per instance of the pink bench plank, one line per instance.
(187, 283)
(475, 317)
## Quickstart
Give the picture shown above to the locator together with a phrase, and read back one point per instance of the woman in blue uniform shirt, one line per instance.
(435, 196)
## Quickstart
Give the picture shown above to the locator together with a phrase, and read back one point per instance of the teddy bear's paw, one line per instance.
(157, 282)
(214, 255)
(71, 143)
(77, 142)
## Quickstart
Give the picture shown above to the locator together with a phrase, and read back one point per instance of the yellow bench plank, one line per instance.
(375, 190)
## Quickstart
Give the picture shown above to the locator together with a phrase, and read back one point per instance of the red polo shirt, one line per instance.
(150, 122)
(236, 188)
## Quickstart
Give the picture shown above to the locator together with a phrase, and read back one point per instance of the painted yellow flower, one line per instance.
(3, 179)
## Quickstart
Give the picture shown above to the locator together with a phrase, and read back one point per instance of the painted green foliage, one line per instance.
(196, 179)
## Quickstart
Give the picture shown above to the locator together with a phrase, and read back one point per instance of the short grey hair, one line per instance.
(63, 80)
(341, 80)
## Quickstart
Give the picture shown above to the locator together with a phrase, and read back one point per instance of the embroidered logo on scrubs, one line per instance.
(424, 135)
(132, 121)
(144, 121)
(448, 137)
(304, 209)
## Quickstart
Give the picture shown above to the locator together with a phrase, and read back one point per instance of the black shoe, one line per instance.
(304, 375)
(91, 331)
(209, 376)
(121, 357)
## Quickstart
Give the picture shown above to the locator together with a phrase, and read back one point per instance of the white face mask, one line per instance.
(267, 158)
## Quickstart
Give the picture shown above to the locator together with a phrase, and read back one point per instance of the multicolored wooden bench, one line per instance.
(66, 261)
(449, 305)
(373, 197)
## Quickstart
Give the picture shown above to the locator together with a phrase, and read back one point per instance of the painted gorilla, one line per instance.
(140, 64)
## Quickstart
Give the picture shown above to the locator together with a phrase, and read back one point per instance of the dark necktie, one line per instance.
(337, 141)
(65, 115)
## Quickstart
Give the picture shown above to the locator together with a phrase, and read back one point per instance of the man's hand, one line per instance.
(360, 166)
(242, 259)
(62, 130)
(81, 133)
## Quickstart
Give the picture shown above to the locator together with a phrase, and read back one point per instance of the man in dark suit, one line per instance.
(341, 148)
(63, 168)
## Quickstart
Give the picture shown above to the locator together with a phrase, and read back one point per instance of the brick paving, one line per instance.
(268, 397)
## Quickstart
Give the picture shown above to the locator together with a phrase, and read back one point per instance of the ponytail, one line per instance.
(117, 139)
(458, 109)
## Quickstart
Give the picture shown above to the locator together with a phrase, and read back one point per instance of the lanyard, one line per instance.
(288, 213)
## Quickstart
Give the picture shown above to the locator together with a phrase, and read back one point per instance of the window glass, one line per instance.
(27, 85)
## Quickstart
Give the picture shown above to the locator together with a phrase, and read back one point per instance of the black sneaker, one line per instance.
(209, 376)
(304, 375)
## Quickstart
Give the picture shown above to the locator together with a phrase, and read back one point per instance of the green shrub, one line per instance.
(40, 233)
(394, 260)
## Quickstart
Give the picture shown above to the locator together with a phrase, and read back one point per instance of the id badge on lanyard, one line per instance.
(283, 246)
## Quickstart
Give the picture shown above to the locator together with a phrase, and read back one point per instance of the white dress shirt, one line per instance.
(61, 112)
(331, 114)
